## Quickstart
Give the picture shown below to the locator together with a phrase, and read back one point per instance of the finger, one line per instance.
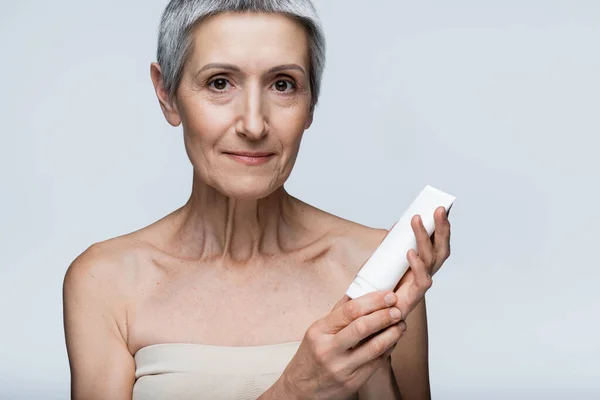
(370, 351)
(407, 277)
(424, 245)
(413, 285)
(447, 215)
(356, 308)
(365, 371)
(421, 271)
(366, 326)
(442, 238)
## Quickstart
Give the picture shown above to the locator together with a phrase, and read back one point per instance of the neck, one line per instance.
(239, 231)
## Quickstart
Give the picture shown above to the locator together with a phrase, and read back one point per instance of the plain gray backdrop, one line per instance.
(496, 102)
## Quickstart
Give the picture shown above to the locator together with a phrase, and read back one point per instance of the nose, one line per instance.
(252, 122)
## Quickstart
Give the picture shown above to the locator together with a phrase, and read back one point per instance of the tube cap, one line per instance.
(360, 287)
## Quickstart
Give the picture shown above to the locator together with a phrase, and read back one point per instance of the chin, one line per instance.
(249, 187)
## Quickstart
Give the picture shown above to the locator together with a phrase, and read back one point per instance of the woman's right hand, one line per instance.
(341, 351)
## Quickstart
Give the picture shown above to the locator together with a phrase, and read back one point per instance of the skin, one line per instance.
(194, 276)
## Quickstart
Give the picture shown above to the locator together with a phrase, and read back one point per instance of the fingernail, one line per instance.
(390, 299)
(395, 313)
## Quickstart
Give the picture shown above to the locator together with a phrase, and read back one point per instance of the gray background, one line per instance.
(495, 102)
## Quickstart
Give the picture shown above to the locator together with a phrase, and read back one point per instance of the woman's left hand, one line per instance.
(425, 262)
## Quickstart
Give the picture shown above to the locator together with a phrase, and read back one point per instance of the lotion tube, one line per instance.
(386, 266)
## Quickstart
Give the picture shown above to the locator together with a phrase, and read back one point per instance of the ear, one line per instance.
(309, 118)
(167, 105)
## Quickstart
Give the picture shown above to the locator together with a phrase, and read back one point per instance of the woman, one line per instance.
(240, 292)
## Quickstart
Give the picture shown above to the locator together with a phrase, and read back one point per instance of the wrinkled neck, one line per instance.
(214, 226)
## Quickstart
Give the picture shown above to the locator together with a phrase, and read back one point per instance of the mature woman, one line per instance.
(240, 293)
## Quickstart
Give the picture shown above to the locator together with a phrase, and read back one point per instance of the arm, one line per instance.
(410, 359)
(101, 365)
(381, 385)
(406, 376)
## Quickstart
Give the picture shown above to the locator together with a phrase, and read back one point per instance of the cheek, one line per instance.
(288, 125)
(288, 129)
(203, 126)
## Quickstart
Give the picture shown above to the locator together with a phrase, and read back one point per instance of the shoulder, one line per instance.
(105, 271)
(358, 242)
(119, 261)
(352, 243)
(103, 261)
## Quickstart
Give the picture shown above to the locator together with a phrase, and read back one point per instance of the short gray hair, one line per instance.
(181, 16)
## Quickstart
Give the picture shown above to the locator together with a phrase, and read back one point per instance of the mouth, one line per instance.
(250, 158)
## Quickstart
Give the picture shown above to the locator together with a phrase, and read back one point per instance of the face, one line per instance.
(244, 101)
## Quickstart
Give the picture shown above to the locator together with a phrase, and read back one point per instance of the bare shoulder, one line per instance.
(106, 265)
(115, 263)
(105, 273)
(352, 242)
(358, 242)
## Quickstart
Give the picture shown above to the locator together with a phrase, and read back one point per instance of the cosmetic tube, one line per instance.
(388, 263)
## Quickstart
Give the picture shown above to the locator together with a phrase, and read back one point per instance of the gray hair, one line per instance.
(181, 16)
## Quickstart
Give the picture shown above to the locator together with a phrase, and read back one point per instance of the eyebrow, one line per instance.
(234, 68)
(286, 67)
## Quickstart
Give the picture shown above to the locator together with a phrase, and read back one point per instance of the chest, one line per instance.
(274, 303)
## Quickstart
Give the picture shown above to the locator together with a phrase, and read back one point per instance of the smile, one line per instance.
(251, 158)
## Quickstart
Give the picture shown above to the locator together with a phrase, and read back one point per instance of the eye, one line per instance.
(284, 85)
(219, 84)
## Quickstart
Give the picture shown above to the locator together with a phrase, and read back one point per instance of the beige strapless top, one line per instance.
(178, 371)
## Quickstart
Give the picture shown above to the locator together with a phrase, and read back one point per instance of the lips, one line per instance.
(249, 153)
(250, 158)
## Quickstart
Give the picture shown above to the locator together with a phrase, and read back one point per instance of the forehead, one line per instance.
(250, 40)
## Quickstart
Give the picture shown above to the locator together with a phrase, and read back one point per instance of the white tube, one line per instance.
(386, 266)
